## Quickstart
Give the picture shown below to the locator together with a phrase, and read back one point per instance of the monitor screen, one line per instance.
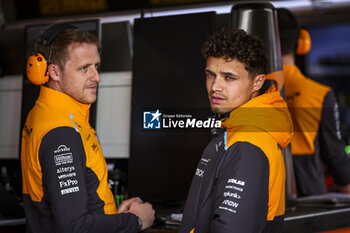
(168, 84)
(117, 50)
(330, 51)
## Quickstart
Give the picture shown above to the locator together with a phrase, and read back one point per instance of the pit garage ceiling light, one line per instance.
(224, 8)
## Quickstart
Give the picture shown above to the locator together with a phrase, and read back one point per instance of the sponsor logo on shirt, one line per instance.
(217, 146)
(68, 183)
(234, 181)
(230, 203)
(63, 158)
(205, 161)
(199, 172)
(69, 190)
(337, 121)
(64, 176)
(62, 149)
(65, 169)
(233, 187)
(94, 147)
(228, 209)
(28, 131)
(234, 195)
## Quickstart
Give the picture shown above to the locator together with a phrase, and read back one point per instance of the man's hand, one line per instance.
(144, 211)
(344, 189)
(125, 206)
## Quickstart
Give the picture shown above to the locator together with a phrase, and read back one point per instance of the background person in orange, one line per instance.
(317, 139)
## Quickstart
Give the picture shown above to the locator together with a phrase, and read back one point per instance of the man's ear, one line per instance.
(258, 82)
(55, 72)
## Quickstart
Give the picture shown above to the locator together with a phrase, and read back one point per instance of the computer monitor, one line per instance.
(168, 75)
(117, 50)
(329, 56)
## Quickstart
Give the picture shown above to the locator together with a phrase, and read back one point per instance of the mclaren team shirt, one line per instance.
(239, 183)
(317, 139)
(65, 185)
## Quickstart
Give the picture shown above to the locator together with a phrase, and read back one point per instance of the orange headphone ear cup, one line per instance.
(37, 71)
(304, 42)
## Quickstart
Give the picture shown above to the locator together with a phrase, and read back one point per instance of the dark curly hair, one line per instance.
(237, 44)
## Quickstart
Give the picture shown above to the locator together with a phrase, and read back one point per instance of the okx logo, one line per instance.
(151, 120)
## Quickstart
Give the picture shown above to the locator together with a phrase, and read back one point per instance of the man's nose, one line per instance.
(96, 76)
(217, 84)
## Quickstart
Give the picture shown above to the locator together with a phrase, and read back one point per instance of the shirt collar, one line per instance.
(64, 102)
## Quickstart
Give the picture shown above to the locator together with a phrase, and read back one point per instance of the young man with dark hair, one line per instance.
(65, 187)
(317, 139)
(239, 184)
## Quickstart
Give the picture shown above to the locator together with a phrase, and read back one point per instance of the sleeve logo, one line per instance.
(62, 149)
(63, 159)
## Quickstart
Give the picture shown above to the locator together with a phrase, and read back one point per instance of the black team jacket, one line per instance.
(239, 184)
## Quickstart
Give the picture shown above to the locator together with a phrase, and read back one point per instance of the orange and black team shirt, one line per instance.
(317, 139)
(239, 183)
(65, 185)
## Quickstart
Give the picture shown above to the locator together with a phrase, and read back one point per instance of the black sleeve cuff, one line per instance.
(131, 220)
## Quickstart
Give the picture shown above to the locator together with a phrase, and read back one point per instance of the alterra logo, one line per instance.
(152, 120)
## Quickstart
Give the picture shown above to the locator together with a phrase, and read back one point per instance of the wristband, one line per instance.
(139, 221)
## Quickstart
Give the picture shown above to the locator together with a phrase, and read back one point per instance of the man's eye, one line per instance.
(229, 78)
(209, 75)
(84, 68)
(98, 68)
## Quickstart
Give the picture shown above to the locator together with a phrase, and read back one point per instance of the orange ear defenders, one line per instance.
(37, 64)
(304, 42)
(37, 71)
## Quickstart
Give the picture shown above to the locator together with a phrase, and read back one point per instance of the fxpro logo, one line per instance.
(152, 120)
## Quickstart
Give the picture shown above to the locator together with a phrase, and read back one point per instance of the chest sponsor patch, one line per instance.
(217, 146)
(205, 161)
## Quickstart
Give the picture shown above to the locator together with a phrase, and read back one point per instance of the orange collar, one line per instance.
(64, 102)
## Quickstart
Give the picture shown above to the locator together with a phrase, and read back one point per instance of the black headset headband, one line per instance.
(53, 31)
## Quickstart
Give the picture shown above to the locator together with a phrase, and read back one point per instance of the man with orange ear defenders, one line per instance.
(317, 138)
(65, 186)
